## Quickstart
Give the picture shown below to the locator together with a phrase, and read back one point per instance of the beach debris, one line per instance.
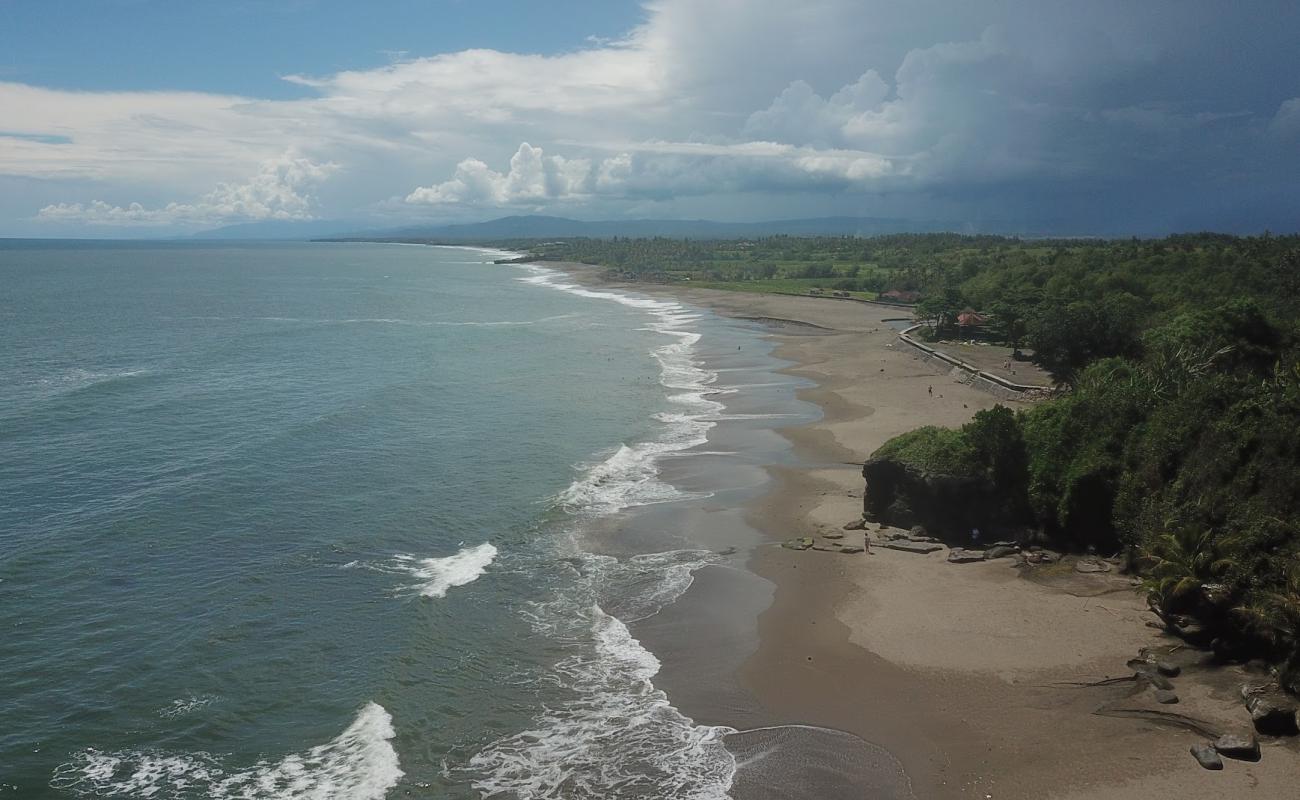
(1207, 756)
(912, 547)
(800, 543)
(1271, 717)
(1238, 746)
(856, 525)
(1166, 697)
(961, 556)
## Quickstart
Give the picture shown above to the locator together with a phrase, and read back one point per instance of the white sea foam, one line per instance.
(630, 475)
(436, 575)
(359, 764)
(620, 737)
(185, 705)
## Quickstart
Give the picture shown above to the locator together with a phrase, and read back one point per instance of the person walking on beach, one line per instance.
(932, 391)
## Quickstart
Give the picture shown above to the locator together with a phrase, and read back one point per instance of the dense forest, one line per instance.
(1176, 437)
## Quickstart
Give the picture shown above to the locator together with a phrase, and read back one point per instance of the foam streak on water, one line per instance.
(617, 735)
(360, 764)
(630, 475)
(437, 575)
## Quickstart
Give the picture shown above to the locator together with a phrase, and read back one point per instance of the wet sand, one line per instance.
(951, 680)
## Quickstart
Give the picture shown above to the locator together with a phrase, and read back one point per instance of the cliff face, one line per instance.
(946, 506)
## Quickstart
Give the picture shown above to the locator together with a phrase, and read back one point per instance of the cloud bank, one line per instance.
(1113, 117)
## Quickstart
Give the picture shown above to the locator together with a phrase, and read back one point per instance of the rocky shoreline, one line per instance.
(987, 669)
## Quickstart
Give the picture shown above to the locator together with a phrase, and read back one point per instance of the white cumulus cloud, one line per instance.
(279, 191)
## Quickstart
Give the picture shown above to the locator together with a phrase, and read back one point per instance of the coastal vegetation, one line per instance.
(1173, 439)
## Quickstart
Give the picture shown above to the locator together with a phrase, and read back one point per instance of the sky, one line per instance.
(151, 117)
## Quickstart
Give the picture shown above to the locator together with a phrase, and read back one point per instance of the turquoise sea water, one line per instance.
(291, 521)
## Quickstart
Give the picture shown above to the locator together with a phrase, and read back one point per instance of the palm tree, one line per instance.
(1181, 563)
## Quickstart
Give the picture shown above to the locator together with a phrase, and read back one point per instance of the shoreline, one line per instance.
(963, 673)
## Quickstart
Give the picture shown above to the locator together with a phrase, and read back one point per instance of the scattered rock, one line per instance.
(1041, 557)
(856, 525)
(918, 530)
(895, 535)
(801, 543)
(833, 535)
(912, 547)
(1238, 746)
(1155, 679)
(728, 551)
(959, 556)
(1271, 717)
(1168, 669)
(1000, 551)
(826, 547)
(852, 548)
(1166, 697)
(1087, 565)
(1207, 756)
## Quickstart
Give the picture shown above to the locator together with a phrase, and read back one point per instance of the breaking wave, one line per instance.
(359, 764)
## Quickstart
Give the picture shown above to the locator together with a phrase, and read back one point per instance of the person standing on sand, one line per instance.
(932, 391)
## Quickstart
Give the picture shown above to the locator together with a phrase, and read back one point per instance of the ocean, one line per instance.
(359, 521)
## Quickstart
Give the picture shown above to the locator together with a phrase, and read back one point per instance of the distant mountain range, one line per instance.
(544, 227)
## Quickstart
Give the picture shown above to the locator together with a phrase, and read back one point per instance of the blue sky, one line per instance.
(244, 46)
(142, 117)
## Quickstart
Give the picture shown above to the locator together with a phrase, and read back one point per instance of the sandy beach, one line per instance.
(982, 680)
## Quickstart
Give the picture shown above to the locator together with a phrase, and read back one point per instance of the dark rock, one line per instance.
(1168, 669)
(728, 551)
(1272, 717)
(801, 543)
(856, 525)
(960, 556)
(918, 531)
(896, 535)
(852, 548)
(1207, 756)
(1166, 697)
(1155, 679)
(1238, 746)
(912, 547)
(1000, 551)
(948, 506)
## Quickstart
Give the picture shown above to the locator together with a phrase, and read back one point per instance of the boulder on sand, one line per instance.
(856, 525)
(1271, 717)
(1166, 697)
(1207, 756)
(959, 556)
(1234, 745)
(801, 543)
(1000, 551)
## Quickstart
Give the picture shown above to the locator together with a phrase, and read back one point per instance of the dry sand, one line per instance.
(973, 676)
